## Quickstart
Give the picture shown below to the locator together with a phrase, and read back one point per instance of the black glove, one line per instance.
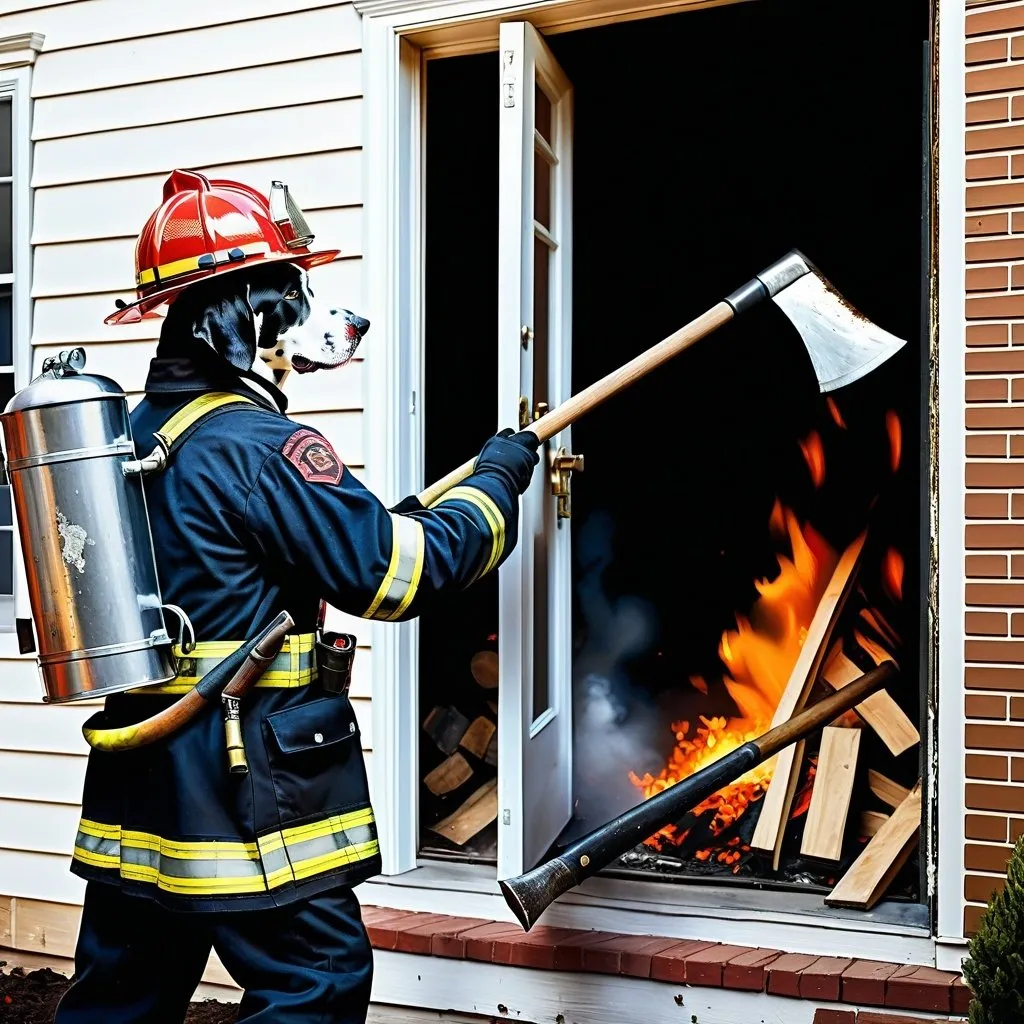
(513, 455)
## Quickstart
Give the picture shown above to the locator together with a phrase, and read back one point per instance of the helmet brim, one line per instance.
(149, 307)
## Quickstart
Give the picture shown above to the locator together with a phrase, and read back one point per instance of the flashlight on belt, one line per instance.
(335, 653)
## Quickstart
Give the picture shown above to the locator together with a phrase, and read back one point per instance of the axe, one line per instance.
(844, 345)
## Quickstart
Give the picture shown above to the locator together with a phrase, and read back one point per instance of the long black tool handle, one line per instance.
(529, 894)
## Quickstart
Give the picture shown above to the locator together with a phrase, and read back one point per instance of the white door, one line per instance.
(534, 339)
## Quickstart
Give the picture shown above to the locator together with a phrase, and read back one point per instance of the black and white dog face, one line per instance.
(272, 314)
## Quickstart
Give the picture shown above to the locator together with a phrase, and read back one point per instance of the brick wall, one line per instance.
(994, 505)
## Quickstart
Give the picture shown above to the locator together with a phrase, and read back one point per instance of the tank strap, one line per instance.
(180, 427)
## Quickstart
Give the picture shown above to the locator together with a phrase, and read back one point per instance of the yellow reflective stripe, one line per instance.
(492, 516)
(190, 264)
(195, 410)
(328, 861)
(402, 579)
(209, 850)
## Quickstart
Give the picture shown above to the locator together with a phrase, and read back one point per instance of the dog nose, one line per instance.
(361, 325)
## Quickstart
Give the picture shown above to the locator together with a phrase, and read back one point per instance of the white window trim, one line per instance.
(398, 35)
(17, 55)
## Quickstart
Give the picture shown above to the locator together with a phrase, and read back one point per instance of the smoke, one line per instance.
(615, 723)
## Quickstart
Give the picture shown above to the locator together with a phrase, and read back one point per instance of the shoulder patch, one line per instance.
(313, 457)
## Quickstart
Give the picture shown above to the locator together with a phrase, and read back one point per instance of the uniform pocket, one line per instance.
(316, 763)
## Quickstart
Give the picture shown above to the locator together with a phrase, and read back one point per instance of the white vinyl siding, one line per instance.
(123, 93)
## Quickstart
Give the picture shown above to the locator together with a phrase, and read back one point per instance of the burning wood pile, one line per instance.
(818, 623)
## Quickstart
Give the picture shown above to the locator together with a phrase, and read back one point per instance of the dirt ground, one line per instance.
(32, 997)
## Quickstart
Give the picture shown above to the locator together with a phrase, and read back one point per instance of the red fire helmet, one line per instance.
(206, 226)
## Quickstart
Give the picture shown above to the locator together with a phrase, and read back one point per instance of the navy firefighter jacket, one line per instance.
(255, 514)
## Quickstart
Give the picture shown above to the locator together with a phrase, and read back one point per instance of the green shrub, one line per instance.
(994, 969)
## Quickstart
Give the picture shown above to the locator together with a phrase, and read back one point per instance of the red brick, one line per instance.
(994, 650)
(996, 307)
(997, 79)
(979, 335)
(986, 566)
(1017, 506)
(670, 964)
(986, 168)
(961, 997)
(1017, 330)
(1016, 224)
(985, 51)
(987, 111)
(986, 827)
(987, 279)
(980, 797)
(1017, 166)
(1016, 829)
(384, 925)
(996, 249)
(985, 445)
(994, 362)
(1017, 625)
(972, 920)
(867, 1017)
(706, 966)
(559, 949)
(1017, 706)
(989, 678)
(988, 389)
(994, 419)
(985, 706)
(988, 767)
(480, 941)
(784, 974)
(822, 1016)
(416, 937)
(996, 737)
(1017, 390)
(746, 972)
(986, 506)
(986, 623)
(986, 858)
(864, 982)
(625, 954)
(995, 536)
(980, 888)
(1017, 566)
(1001, 595)
(1017, 769)
(445, 936)
(920, 988)
(823, 979)
(1001, 20)
(995, 474)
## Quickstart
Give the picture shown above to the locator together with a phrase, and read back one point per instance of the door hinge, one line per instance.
(506, 817)
(508, 78)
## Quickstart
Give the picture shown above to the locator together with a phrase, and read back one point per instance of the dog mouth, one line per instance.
(303, 364)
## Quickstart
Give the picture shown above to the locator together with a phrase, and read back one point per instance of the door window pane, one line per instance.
(542, 112)
(6, 138)
(6, 330)
(6, 234)
(541, 571)
(541, 189)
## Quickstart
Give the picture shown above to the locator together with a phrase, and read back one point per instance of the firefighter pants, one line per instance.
(306, 963)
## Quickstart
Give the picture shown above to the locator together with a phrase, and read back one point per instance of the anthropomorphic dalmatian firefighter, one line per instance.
(255, 514)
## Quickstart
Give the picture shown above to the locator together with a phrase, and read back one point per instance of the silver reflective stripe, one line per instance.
(403, 576)
(174, 867)
(98, 845)
(320, 846)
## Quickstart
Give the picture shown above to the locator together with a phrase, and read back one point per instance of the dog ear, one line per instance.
(226, 324)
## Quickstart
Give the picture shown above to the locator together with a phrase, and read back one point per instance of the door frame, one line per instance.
(399, 36)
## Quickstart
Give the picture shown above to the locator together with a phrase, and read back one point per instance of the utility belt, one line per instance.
(304, 658)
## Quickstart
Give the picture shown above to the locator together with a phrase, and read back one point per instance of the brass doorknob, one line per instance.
(563, 465)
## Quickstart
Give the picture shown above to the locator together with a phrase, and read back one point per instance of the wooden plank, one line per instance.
(206, 95)
(877, 621)
(44, 927)
(778, 801)
(446, 726)
(478, 736)
(484, 668)
(448, 775)
(259, 134)
(871, 822)
(118, 209)
(6, 915)
(833, 790)
(880, 711)
(86, 24)
(475, 814)
(108, 265)
(889, 792)
(875, 869)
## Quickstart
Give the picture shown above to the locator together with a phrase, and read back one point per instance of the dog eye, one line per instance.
(293, 294)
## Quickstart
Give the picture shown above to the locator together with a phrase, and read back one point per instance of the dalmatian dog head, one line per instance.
(269, 314)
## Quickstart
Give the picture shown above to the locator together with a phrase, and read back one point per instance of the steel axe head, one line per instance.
(844, 345)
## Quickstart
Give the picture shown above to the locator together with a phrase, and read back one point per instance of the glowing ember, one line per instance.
(836, 414)
(759, 655)
(814, 454)
(892, 574)
(895, 430)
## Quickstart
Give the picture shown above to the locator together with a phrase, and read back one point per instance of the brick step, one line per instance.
(822, 979)
(866, 1017)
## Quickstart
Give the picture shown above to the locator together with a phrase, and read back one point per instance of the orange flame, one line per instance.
(758, 655)
(892, 574)
(895, 430)
(836, 414)
(814, 454)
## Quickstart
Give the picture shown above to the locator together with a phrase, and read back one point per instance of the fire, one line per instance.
(892, 574)
(836, 414)
(895, 431)
(758, 655)
(814, 454)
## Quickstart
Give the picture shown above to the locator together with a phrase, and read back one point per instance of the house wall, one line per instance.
(124, 92)
(994, 474)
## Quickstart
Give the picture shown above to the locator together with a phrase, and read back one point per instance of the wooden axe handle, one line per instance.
(590, 398)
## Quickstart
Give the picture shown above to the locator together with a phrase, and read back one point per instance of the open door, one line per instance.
(534, 349)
